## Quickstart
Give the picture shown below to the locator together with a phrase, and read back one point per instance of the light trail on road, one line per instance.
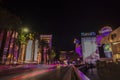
(31, 74)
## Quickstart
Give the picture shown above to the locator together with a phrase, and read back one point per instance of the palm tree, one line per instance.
(52, 55)
(22, 39)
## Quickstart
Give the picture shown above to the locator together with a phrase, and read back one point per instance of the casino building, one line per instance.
(112, 42)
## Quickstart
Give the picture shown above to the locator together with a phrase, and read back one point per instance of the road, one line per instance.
(42, 72)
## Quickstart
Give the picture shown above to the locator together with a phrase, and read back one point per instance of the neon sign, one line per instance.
(105, 31)
(88, 34)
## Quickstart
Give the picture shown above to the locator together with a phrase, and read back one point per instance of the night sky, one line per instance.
(65, 19)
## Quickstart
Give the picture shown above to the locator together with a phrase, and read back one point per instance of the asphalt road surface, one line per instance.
(38, 73)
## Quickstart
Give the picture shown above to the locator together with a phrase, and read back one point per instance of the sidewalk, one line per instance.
(92, 74)
(5, 67)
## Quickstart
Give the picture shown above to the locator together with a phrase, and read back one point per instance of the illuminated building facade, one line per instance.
(47, 38)
(112, 42)
(89, 46)
(8, 46)
(21, 48)
(45, 46)
(103, 42)
(12, 50)
(31, 50)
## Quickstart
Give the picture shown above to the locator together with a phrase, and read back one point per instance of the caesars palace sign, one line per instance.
(105, 29)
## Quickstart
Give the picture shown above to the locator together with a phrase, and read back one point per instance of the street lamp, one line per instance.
(25, 30)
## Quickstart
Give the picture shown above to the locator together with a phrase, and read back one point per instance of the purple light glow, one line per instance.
(98, 39)
(78, 50)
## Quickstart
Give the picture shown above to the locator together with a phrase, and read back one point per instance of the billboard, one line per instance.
(107, 50)
(89, 48)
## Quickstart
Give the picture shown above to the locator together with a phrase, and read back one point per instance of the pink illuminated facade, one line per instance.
(8, 46)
